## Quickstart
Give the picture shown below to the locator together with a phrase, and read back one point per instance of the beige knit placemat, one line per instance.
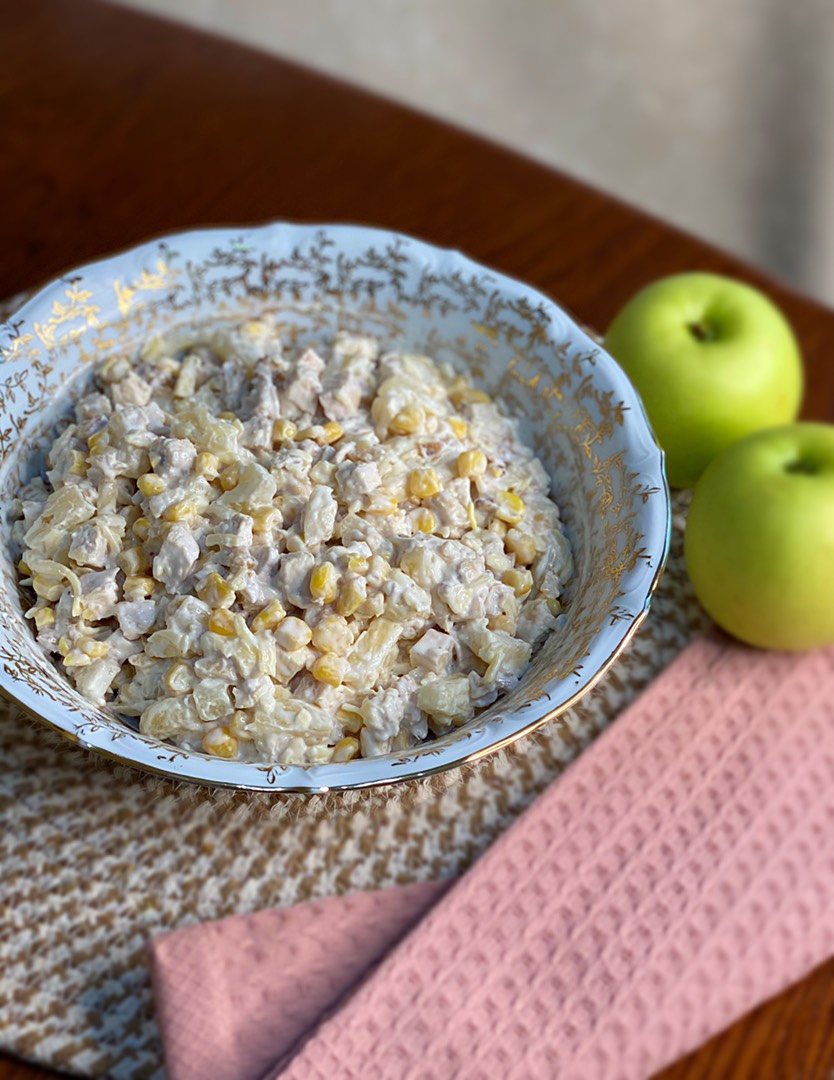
(96, 858)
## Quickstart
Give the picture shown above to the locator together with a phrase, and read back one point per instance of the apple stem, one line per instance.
(699, 331)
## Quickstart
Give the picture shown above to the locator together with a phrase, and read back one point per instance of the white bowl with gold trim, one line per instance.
(579, 411)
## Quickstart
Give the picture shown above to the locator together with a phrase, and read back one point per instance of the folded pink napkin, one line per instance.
(677, 875)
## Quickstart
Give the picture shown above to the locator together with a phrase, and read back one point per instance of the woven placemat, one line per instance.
(97, 858)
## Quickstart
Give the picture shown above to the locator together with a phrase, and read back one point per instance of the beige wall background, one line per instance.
(714, 114)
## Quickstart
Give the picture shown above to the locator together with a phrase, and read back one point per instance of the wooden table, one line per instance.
(117, 127)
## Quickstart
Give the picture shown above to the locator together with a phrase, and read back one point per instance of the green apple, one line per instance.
(713, 359)
(759, 541)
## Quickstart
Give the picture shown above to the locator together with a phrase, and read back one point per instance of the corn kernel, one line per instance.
(222, 622)
(423, 483)
(469, 395)
(226, 416)
(346, 749)
(64, 645)
(215, 591)
(47, 588)
(424, 520)
(332, 635)
(331, 432)
(350, 718)
(139, 583)
(322, 472)
(76, 659)
(329, 669)
(117, 367)
(95, 649)
(186, 382)
(382, 504)
(408, 421)
(24, 568)
(323, 584)
(509, 507)
(230, 477)
(357, 564)
(79, 464)
(220, 743)
(284, 431)
(207, 465)
(239, 725)
(179, 679)
(141, 528)
(520, 581)
(471, 463)
(269, 617)
(293, 634)
(459, 426)
(151, 484)
(265, 518)
(351, 598)
(98, 441)
(134, 560)
(180, 511)
(522, 545)
(44, 617)
(554, 605)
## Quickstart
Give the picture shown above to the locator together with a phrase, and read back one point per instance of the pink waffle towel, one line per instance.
(679, 873)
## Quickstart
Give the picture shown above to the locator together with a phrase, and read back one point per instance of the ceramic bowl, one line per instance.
(579, 411)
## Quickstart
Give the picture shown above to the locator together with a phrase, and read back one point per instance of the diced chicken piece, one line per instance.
(535, 621)
(93, 407)
(304, 386)
(345, 386)
(138, 425)
(108, 465)
(254, 588)
(554, 564)
(451, 510)
(433, 652)
(119, 648)
(262, 400)
(136, 617)
(255, 488)
(99, 595)
(233, 532)
(250, 341)
(355, 479)
(288, 664)
(382, 712)
(252, 693)
(405, 599)
(173, 459)
(319, 515)
(131, 390)
(257, 433)
(89, 546)
(294, 577)
(234, 384)
(95, 680)
(177, 557)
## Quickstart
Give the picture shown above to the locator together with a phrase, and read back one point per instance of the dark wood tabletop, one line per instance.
(116, 127)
